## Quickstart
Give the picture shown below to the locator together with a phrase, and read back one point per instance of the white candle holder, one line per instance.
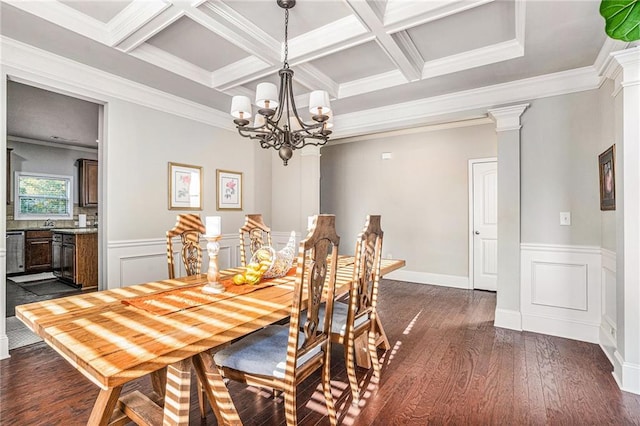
(213, 274)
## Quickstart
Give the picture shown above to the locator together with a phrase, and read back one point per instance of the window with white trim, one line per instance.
(42, 196)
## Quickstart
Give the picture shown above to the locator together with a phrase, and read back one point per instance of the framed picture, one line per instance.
(229, 190)
(185, 187)
(606, 162)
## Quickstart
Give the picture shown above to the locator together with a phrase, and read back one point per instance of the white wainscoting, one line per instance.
(561, 290)
(608, 326)
(138, 261)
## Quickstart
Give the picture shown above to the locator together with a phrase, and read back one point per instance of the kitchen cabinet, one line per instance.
(75, 258)
(37, 251)
(88, 182)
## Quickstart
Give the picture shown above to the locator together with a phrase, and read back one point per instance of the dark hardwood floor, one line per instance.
(447, 365)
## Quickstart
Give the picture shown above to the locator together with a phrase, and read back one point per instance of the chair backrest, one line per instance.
(363, 296)
(316, 278)
(257, 233)
(189, 227)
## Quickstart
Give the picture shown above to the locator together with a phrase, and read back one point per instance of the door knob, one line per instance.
(477, 232)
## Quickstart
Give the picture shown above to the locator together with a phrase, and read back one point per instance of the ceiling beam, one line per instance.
(410, 69)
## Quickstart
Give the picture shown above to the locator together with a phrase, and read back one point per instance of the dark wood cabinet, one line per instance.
(88, 182)
(75, 258)
(38, 251)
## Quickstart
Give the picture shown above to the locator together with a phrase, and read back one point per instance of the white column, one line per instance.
(508, 296)
(627, 355)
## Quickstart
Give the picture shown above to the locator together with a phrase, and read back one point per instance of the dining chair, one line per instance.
(282, 356)
(253, 233)
(189, 228)
(357, 319)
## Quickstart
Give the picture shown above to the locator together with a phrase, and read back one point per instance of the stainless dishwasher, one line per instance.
(15, 252)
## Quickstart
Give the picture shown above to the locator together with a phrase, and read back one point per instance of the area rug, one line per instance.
(19, 335)
(45, 288)
(32, 277)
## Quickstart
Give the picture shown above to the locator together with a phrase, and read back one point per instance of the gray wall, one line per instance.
(561, 138)
(142, 141)
(421, 193)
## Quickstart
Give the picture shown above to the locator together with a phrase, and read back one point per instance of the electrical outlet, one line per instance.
(565, 218)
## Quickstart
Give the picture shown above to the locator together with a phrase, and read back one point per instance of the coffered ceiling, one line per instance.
(389, 58)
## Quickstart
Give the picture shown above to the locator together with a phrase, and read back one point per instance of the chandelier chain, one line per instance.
(286, 38)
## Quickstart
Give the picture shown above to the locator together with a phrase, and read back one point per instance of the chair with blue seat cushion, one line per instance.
(280, 357)
(357, 318)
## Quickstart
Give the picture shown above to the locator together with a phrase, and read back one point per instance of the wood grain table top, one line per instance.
(112, 343)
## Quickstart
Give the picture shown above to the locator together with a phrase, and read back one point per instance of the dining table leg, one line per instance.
(104, 406)
(178, 394)
(215, 389)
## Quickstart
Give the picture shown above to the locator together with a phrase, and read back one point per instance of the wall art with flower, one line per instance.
(185, 187)
(229, 190)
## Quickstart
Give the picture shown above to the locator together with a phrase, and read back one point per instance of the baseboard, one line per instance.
(4, 347)
(626, 374)
(562, 327)
(454, 281)
(507, 318)
(607, 343)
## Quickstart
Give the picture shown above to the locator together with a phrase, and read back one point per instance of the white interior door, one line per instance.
(485, 225)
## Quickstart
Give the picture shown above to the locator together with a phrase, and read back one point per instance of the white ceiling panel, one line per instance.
(102, 10)
(306, 16)
(364, 60)
(474, 28)
(193, 43)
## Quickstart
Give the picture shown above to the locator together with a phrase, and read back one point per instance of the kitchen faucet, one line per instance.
(49, 223)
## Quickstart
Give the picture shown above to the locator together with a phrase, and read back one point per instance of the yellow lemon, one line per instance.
(239, 279)
(252, 277)
(253, 267)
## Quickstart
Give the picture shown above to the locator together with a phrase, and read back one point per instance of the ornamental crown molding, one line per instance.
(507, 118)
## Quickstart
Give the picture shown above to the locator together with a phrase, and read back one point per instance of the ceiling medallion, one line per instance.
(277, 124)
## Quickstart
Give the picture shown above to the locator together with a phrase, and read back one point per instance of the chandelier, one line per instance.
(277, 124)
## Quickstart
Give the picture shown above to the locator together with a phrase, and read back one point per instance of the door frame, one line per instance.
(470, 230)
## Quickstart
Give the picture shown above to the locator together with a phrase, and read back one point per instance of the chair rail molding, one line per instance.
(145, 260)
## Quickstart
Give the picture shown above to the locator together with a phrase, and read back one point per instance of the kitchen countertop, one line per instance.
(74, 231)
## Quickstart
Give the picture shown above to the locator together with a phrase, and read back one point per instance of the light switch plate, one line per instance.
(565, 218)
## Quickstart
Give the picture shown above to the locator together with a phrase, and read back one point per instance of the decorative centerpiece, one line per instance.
(213, 235)
(267, 263)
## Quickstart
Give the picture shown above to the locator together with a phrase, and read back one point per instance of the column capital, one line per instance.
(507, 118)
(629, 61)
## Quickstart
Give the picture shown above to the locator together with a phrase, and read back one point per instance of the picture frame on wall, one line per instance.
(185, 187)
(606, 164)
(229, 194)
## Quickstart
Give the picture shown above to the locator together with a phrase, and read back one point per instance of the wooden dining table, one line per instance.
(111, 340)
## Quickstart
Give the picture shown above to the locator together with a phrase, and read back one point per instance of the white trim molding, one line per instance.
(608, 325)
(507, 118)
(626, 374)
(138, 261)
(454, 281)
(561, 290)
(507, 318)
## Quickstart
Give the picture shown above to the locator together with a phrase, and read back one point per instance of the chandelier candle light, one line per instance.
(213, 235)
(277, 124)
